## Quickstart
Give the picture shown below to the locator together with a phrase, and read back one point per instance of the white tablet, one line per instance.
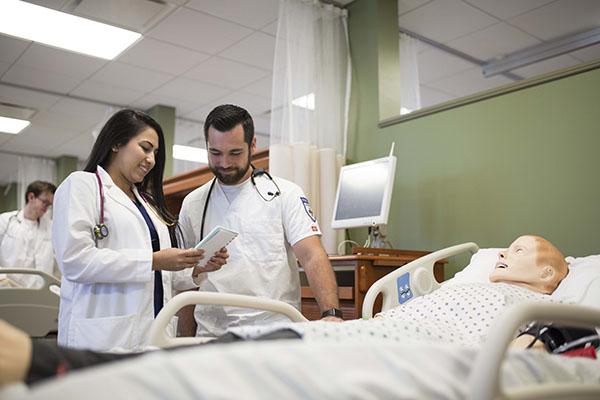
(216, 239)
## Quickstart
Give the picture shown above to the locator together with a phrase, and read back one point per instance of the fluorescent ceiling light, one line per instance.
(307, 101)
(189, 153)
(404, 110)
(54, 28)
(12, 125)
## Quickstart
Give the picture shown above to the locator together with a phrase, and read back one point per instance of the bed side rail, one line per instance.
(411, 280)
(34, 310)
(484, 381)
(158, 334)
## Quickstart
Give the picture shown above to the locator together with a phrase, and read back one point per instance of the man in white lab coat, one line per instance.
(25, 236)
(275, 223)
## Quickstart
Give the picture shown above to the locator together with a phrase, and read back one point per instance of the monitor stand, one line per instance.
(377, 239)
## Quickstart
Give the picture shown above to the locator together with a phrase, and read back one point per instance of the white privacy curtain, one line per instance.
(33, 169)
(309, 106)
(410, 93)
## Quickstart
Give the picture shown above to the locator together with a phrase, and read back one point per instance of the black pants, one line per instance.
(48, 359)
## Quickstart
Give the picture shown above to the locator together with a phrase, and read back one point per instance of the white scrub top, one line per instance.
(26, 244)
(107, 289)
(261, 260)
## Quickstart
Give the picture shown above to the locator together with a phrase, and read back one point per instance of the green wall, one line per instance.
(523, 162)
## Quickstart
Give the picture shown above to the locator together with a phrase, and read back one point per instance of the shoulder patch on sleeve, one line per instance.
(307, 208)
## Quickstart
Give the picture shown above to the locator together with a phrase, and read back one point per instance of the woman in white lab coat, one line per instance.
(115, 240)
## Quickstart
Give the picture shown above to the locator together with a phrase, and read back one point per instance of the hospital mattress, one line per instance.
(298, 370)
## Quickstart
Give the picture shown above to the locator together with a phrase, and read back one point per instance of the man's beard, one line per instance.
(233, 175)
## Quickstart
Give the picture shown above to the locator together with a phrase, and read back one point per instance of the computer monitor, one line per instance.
(364, 193)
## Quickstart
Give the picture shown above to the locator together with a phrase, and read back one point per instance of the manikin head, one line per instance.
(531, 262)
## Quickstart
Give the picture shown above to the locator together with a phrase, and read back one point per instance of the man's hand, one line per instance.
(15, 354)
(215, 263)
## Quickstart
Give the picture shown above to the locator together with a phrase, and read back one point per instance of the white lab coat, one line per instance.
(26, 244)
(107, 286)
(261, 260)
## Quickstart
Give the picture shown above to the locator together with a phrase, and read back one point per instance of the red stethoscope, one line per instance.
(100, 229)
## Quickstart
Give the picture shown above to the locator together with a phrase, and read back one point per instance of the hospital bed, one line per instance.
(34, 310)
(294, 369)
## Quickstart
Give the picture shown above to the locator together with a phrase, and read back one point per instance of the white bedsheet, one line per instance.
(296, 370)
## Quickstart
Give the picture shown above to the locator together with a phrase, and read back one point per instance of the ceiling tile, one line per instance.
(152, 99)
(11, 48)
(507, 8)
(130, 77)
(30, 148)
(131, 14)
(198, 31)
(4, 66)
(563, 17)
(444, 20)
(468, 82)
(199, 114)
(254, 14)
(226, 73)
(254, 104)
(546, 66)
(191, 90)
(76, 107)
(405, 6)
(270, 29)
(26, 98)
(79, 146)
(61, 62)
(257, 49)
(430, 61)
(494, 41)
(165, 57)
(261, 87)
(54, 120)
(38, 78)
(588, 54)
(106, 93)
(41, 135)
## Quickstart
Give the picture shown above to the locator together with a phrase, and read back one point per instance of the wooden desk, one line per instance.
(355, 275)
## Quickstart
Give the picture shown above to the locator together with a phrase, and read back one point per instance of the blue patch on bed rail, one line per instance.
(403, 286)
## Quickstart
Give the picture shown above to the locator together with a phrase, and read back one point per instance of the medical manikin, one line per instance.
(25, 240)
(530, 269)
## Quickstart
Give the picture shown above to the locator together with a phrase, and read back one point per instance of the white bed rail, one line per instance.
(422, 280)
(34, 310)
(158, 334)
(484, 382)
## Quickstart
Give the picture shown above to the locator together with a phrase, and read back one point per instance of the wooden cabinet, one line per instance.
(357, 272)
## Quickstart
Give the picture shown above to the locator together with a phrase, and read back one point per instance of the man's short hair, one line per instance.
(39, 187)
(226, 117)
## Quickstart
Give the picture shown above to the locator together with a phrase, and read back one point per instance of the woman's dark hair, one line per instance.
(123, 126)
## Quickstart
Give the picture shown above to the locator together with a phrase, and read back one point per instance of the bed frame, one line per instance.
(412, 280)
(34, 310)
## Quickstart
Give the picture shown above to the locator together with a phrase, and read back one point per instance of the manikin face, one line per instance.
(39, 205)
(229, 155)
(134, 160)
(532, 262)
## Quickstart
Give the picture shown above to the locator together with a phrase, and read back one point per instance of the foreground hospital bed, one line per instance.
(34, 310)
(295, 369)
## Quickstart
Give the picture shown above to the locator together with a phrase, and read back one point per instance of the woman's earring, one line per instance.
(114, 149)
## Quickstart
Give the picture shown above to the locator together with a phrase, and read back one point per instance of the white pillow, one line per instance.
(581, 285)
(577, 285)
(480, 267)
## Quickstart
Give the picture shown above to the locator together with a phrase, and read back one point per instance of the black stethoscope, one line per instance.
(10, 219)
(256, 172)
